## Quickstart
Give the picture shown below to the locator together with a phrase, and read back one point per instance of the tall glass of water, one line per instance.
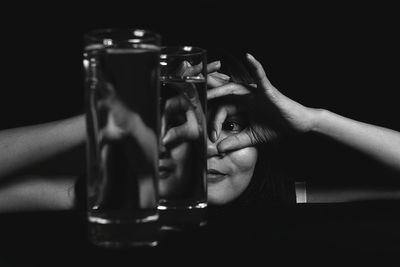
(182, 158)
(122, 91)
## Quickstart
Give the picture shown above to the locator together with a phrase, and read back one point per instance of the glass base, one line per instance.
(121, 235)
(182, 218)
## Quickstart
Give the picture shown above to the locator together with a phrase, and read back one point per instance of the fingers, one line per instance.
(192, 126)
(193, 70)
(256, 134)
(213, 82)
(175, 134)
(235, 142)
(186, 69)
(219, 119)
(184, 132)
(213, 66)
(175, 105)
(259, 73)
(262, 134)
(220, 75)
(220, 116)
(227, 89)
(183, 68)
(216, 79)
(197, 69)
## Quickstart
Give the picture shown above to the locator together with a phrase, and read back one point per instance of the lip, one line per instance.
(215, 176)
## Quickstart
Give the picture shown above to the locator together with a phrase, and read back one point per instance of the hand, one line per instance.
(266, 100)
(183, 117)
(214, 78)
(179, 122)
(122, 121)
(185, 69)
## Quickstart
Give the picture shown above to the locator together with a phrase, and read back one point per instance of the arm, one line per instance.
(380, 143)
(24, 147)
(33, 193)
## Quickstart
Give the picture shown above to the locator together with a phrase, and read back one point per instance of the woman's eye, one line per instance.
(232, 126)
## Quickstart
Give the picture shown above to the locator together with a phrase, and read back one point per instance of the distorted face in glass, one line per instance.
(228, 174)
(180, 141)
(173, 158)
(173, 167)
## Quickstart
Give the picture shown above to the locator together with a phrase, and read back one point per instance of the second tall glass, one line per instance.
(182, 158)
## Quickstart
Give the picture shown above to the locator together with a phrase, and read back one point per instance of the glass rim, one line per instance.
(181, 50)
(128, 35)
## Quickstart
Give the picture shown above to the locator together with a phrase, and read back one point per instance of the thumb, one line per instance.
(235, 142)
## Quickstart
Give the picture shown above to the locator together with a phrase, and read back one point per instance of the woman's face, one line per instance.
(229, 174)
(173, 163)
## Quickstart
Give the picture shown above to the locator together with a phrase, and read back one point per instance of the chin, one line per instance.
(218, 200)
(218, 194)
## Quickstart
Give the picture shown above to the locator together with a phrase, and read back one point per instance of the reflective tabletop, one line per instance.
(302, 234)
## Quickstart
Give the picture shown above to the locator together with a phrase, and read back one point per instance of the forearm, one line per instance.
(380, 143)
(26, 146)
(33, 193)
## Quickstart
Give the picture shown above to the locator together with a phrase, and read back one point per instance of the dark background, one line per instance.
(344, 58)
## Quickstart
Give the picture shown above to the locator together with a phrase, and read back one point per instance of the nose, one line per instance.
(212, 150)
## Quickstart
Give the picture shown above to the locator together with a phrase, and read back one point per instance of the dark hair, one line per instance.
(269, 183)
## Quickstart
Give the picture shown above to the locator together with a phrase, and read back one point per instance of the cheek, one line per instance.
(172, 185)
(180, 153)
(241, 165)
(244, 160)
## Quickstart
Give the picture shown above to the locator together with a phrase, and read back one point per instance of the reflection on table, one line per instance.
(297, 234)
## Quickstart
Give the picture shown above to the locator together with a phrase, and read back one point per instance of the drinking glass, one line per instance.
(182, 157)
(122, 91)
